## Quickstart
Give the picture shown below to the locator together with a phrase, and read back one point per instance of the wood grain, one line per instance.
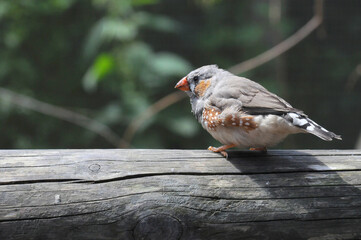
(179, 194)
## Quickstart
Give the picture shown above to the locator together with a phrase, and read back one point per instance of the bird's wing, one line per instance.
(242, 94)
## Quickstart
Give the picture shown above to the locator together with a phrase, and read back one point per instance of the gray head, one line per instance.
(198, 81)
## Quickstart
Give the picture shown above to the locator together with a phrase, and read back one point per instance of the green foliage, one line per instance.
(110, 60)
(102, 66)
(143, 2)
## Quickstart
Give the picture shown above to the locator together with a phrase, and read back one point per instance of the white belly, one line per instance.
(271, 130)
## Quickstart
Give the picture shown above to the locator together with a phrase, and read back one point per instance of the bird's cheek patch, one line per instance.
(202, 87)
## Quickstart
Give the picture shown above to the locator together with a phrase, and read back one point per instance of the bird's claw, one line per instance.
(221, 150)
(213, 149)
(218, 150)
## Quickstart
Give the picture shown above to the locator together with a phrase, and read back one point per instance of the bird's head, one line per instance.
(198, 81)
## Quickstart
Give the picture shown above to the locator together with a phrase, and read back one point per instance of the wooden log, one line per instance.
(179, 194)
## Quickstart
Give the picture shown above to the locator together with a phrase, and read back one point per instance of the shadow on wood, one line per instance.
(306, 196)
(179, 194)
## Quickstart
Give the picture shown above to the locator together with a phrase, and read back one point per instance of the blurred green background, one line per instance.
(80, 73)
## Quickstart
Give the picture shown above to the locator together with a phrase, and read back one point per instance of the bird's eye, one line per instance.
(195, 78)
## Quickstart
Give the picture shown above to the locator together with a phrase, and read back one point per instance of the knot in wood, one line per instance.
(158, 226)
(94, 167)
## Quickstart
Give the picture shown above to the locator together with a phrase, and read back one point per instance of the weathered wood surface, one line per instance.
(179, 194)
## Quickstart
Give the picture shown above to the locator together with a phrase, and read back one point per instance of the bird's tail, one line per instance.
(310, 126)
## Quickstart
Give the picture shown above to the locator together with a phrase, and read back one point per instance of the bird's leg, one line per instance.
(262, 149)
(222, 149)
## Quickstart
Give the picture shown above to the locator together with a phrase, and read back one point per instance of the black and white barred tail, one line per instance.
(310, 126)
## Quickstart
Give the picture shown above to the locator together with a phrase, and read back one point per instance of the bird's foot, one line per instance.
(261, 149)
(222, 149)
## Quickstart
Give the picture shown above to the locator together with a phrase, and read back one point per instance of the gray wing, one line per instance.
(248, 96)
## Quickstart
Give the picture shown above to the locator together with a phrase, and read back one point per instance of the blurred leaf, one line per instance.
(186, 126)
(144, 2)
(249, 34)
(110, 114)
(4, 8)
(12, 39)
(262, 8)
(62, 4)
(207, 3)
(157, 22)
(136, 103)
(5, 105)
(106, 30)
(23, 142)
(114, 7)
(168, 64)
(137, 54)
(149, 141)
(152, 68)
(102, 66)
(45, 7)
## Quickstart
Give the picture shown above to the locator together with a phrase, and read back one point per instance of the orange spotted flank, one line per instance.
(211, 118)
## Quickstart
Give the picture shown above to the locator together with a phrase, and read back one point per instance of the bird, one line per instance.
(239, 112)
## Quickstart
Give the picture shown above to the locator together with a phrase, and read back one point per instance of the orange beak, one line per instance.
(183, 85)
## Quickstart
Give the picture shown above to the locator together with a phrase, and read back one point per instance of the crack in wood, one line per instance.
(146, 175)
(52, 217)
(39, 181)
(277, 220)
